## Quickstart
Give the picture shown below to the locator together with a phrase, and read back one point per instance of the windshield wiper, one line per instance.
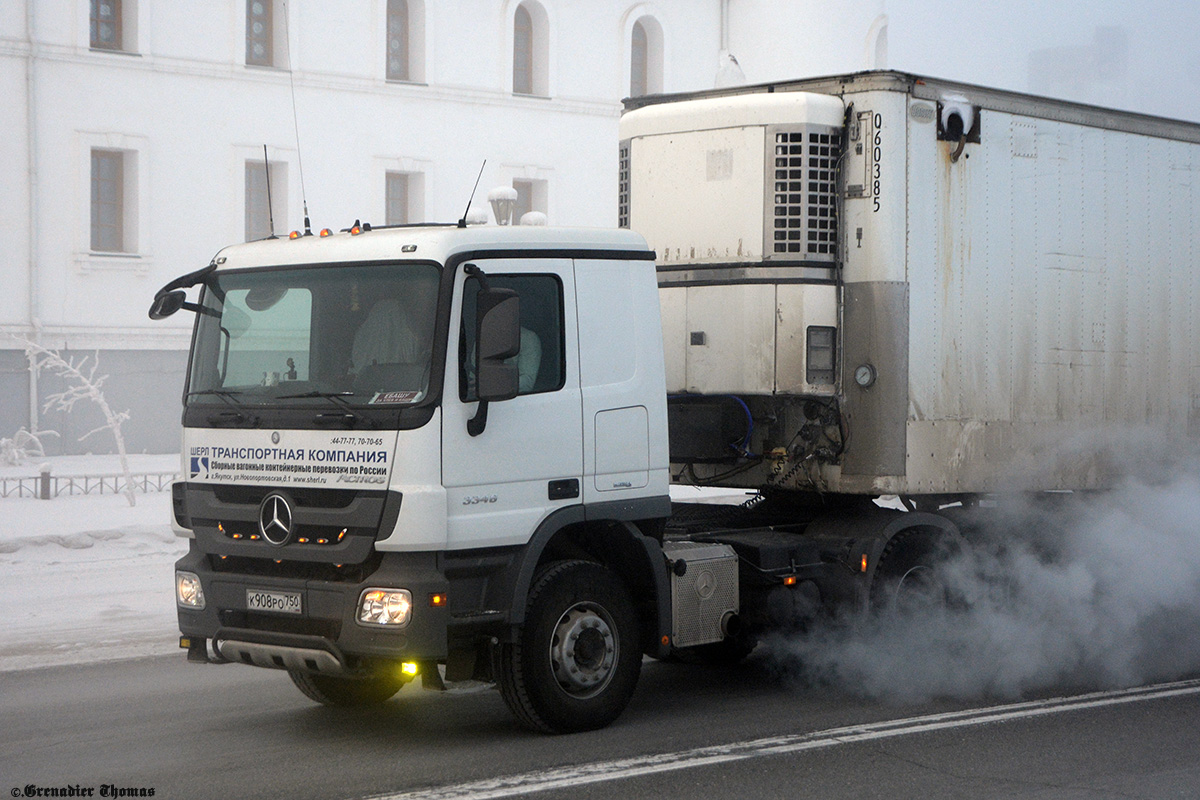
(229, 398)
(348, 418)
(334, 396)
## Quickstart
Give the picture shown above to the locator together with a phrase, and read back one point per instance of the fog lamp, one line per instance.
(188, 592)
(384, 607)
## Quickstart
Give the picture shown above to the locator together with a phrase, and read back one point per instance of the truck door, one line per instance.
(528, 460)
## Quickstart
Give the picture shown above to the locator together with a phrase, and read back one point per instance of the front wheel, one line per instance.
(331, 690)
(577, 659)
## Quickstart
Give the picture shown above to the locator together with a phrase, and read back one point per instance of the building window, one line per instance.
(398, 189)
(397, 40)
(522, 52)
(262, 200)
(260, 33)
(108, 201)
(645, 57)
(531, 196)
(106, 24)
(530, 49)
(639, 52)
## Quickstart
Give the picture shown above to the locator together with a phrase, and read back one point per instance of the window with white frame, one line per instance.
(522, 52)
(397, 197)
(112, 192)
(105, 25)
(531, 196)
(398, 37)
(405, 195)
(264, 199)
(645, 57)
(265, 25)
(530, 50)
(637, 61)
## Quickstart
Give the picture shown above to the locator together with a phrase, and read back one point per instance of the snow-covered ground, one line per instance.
(88, 578)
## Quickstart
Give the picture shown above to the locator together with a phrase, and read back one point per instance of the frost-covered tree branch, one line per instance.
(23, 444)
(83, 384)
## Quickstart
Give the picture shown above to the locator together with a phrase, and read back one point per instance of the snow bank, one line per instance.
(87, 578)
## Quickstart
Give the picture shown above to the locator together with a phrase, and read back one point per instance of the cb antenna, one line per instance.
(462, 223)
(270, 205)
(295, 120)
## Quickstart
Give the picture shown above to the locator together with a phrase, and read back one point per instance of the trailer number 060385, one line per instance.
(876, 154)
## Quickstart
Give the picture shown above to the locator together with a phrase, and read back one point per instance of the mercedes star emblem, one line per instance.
(275, 519)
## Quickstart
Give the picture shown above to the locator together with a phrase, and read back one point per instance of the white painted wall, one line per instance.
(185, 103)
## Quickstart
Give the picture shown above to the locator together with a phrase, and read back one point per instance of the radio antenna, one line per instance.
(295, 120)
(462, 223)
(270, 205)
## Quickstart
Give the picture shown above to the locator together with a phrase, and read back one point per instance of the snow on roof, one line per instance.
(731, 111)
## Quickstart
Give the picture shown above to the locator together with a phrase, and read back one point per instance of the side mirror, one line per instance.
(166, 304)
(498, 326)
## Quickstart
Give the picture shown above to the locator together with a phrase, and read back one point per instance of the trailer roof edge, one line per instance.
(929, 88)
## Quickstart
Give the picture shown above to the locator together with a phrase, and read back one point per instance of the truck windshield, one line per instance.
(349, 334)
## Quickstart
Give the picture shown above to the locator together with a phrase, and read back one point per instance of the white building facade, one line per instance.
(138, 135)
(136, 132)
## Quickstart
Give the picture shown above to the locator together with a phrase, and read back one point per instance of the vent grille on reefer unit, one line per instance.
(804, 219)
(623, 186)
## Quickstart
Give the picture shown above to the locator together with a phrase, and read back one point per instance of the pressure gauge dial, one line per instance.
(864, 375)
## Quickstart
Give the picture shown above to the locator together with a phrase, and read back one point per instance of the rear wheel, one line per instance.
(576, 660)
(333, 690)
(909, 579)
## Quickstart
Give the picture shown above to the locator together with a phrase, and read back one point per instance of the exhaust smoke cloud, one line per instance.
(1090, 592)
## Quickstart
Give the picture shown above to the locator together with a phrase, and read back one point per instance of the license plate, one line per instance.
(280, 602)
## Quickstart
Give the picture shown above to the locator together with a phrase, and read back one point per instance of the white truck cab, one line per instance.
(384, 431)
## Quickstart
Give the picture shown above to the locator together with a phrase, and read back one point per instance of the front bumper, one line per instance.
(325, 636)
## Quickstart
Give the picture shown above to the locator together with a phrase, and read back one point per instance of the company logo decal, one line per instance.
(199, 467)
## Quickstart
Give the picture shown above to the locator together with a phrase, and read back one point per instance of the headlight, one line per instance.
(385, 607)
(188, 592)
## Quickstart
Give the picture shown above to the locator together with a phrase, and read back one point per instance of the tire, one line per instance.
(577, 658)
(909, 580)
(341, 692)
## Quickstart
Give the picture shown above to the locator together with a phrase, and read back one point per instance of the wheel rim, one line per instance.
(583, 650)
(918, 590)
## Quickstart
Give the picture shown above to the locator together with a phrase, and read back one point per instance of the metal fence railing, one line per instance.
(47, 486)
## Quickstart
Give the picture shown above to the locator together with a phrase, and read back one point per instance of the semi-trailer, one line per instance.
(446, 451)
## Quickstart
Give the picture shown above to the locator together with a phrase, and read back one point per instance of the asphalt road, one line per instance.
(203, 731)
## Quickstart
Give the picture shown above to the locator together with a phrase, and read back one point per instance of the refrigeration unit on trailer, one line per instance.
(920, 287)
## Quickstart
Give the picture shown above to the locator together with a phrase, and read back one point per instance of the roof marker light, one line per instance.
(294, 235)
(326, 232)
